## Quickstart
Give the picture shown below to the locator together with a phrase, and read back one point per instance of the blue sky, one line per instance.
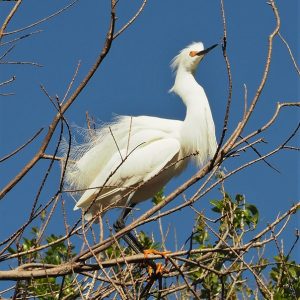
(135, 78)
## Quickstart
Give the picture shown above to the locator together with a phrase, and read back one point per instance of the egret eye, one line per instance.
(193, 53)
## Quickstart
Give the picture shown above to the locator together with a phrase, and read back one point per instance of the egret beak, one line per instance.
(205, 51)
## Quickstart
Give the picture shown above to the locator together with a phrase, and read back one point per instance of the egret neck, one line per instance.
(198, 131)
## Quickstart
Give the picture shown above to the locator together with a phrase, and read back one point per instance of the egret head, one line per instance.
(190, 57)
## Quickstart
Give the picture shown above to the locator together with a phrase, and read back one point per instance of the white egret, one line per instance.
(129, 160)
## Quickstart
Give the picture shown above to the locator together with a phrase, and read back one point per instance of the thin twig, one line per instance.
(8, 18)
(21, 147)
(131, 21)
(42, 20)
(290, 53)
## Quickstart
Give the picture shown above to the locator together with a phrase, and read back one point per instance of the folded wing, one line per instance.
(127, 170)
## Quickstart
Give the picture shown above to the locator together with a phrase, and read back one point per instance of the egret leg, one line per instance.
(129, 238)
(133, 242)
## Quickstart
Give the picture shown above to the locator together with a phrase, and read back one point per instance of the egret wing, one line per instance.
(124, 133)
(139, 166)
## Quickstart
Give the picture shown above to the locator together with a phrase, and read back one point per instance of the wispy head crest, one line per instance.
(176, 61)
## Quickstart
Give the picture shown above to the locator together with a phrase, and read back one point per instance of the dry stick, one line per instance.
(248, 145)
(8, 81)
(124, 257)
(71, 83)
(241, 258)
(21, 37)
(44, 226)
(188, 286)
(118, 282)
(100, 264)
(173, 290)
(186, 203)
(64, 166)
(64, 108)
(12, 238)
(258, 153)
(269, 123)
(233, 286)
(57, 158)
(49, 97)
(90, 121)
(7, 52)
(229, 76)
(116, 144)
(231, 141)
(235, 171)
(294, 244)
(21, 63)
(66, 226)
(163, 236)
(42, 20)
(91, 285)
(77, 284)
(8, 18)
(132, 20)
(129, 136)
(7, 290)
(21, 147)
(245, 100)
(284, 266)
(6, 94)
(46, 175)
(103, 294)
(290, 52)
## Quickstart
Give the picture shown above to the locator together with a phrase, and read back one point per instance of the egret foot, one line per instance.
(159, 268)
(156, 252)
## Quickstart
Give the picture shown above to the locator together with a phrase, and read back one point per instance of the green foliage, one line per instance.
(239, 212)
(56, 254)
(235, 219)
(115, 250)
(147, 242)
(223, 274)
(285, 278)
(158, 197)
(201, 235)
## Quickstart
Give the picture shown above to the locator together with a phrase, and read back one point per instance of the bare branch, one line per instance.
(42, 20)
(8, 18)
(21, 147)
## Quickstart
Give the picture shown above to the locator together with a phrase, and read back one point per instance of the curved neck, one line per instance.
(198, 131)
(188, 89)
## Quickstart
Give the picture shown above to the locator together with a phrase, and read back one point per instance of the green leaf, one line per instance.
(158, 197)
(218, 205)
(254, 211)
(239, 198)
(11, 250)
